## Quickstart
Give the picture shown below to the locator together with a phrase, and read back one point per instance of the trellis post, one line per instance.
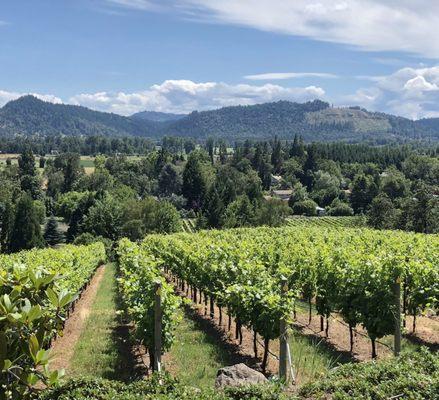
(397, 341)
(283, 339)
(158, 327)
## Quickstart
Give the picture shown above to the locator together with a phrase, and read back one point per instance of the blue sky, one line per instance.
(125, 56)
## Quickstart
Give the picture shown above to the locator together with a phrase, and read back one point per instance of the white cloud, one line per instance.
(375, 25)
(288, 75)
(410, 92)
(6, 96)
(184, 96)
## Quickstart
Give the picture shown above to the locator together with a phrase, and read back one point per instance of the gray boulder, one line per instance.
(238, 375)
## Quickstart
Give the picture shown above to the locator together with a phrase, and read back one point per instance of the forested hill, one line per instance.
(315, 121)
(31, 116)
(157, 116)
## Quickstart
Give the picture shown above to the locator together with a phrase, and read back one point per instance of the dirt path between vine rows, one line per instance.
(63, 347)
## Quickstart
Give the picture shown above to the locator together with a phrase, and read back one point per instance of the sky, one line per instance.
(125, 56)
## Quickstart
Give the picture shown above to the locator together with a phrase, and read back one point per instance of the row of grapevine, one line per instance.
(351, 272)
(326, 222)
(139, 272)
(37, 288)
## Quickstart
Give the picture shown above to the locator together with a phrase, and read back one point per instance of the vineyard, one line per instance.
(326, 222)
(258, 280)
(350, 272)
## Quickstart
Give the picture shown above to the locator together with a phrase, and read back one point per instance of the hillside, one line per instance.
(31, 116)
(156, 116)
(315, 121)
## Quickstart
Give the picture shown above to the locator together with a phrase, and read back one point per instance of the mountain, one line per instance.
(31, 116)
(155, 116)
(315, 121)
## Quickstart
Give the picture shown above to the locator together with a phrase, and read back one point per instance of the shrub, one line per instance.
(306, 207)
(340, 209)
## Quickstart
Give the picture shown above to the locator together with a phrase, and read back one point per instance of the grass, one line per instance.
(311, 358)
(98, 352)
(195, 357)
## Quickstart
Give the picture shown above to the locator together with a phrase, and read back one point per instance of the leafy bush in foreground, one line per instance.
(412, 376)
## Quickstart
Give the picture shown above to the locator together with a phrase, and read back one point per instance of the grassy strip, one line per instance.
(311, 358)
(195, 356)
(98, 352)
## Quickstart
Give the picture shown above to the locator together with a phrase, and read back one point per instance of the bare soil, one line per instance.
(63, 347)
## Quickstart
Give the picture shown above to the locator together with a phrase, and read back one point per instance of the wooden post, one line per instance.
(397, 291)
(158, 327)
(283, 341)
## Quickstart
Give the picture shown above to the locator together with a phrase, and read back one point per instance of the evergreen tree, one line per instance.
(309, 167)
(78, 215)
(71, 170)
(26, 163)
(26, 232)
(27, 172)
(276, 156)
(265, 175)
(6, 225)
(213, 208)
(382, 213)
(364, 190)
(169, 180)
(210, 147)
(52, 235)
(194, 184)
(222, 151)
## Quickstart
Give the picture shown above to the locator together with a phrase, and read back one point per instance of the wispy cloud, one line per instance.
(271, 76)
(395, 25)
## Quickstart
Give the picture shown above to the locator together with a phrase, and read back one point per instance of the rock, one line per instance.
(238, 375)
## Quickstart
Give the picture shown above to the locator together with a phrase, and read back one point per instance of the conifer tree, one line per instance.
(26, 232)
(194, 183)
(6, 226)
(51, 234)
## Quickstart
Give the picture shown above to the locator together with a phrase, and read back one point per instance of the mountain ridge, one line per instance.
(315, 121)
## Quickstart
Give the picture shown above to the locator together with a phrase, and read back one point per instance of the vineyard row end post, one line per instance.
(158, 327)
(397, 342)
(283, 340)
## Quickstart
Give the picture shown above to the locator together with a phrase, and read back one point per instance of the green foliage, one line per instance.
(30, 312)
(33, 305)
(239, 213)
(364, 190)
(29, 115)
(170, 180)
(158, 387)
(339, 208)
(411, 376)
(67, 203)
(26, 231)
(382, 213)
(194, 182)
(305, 207)
(52, 235)
(139, 274)
(351, 271)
